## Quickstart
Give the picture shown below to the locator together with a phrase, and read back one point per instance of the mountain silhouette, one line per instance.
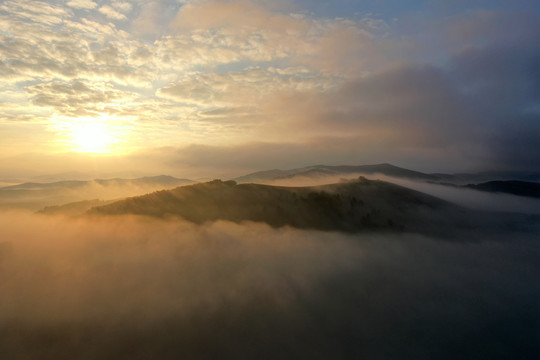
(35, 196)
(325, 170)
(349, 206)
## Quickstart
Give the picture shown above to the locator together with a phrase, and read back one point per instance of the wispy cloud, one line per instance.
(82, 4)
(122, 6)
(111, 13)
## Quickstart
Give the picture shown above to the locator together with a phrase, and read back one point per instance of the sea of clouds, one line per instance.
(128, 287)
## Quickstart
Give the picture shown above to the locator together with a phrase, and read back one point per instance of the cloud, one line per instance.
(154, 17)
(461, 89)
(203, 160)
(235, 14)
(37, 12)
(243, 30)
(111, 13)
(122, 6)
(412, 106)
(77, 98)
(37, 7)
(248, 87)
(34, 51)
(82, 4)
(169, 288)
(477, 112)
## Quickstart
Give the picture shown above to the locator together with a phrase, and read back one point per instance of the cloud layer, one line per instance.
(132, 286)
(433, 85)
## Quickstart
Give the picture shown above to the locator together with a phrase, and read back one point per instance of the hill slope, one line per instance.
(73, 208)
(347, 206)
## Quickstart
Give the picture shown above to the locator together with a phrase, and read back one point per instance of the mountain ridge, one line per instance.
(35, 196)
(159, 179)
(348, 206)
(383, 168)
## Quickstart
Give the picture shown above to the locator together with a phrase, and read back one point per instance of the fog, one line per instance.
(136, 288)
(475, 199)
(38, 196)
(470, 198)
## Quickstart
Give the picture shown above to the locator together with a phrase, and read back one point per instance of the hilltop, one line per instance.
(350, 206)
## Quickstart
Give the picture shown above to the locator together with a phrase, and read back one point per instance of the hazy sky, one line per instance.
(204, 88)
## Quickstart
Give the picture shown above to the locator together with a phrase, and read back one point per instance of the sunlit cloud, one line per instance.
(82, 4)
(122, 6)
(247, 87)
(247, 71)
(111, 13)
(37, 7)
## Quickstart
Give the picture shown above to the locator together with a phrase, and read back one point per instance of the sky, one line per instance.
(219, 88)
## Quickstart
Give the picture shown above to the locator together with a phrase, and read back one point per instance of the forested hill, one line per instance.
(349, 206)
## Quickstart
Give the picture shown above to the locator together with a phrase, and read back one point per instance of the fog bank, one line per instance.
(135, 288)
(470, 198)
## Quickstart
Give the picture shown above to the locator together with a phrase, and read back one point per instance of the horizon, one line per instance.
(82, 176)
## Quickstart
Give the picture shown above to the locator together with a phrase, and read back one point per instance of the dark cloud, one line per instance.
(482, 107)
(416, 104)
(503, 85)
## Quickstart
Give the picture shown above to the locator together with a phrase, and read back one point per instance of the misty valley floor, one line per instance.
(140, 288)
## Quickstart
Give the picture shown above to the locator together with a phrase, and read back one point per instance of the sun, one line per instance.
(91, 137)
(102, 134)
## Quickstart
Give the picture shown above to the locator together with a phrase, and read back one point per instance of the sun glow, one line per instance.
(91, 137)
(100, 135)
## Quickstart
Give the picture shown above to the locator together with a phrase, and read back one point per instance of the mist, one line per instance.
(470, 198)
(135, 287)
(475, 199)
(37, 196)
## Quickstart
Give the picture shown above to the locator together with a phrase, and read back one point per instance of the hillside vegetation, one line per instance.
(349, 206)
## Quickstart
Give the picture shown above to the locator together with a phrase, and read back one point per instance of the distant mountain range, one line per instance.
(34, 196)
(324, 170)
(501, 182)
(387, 170)
(72, 184)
